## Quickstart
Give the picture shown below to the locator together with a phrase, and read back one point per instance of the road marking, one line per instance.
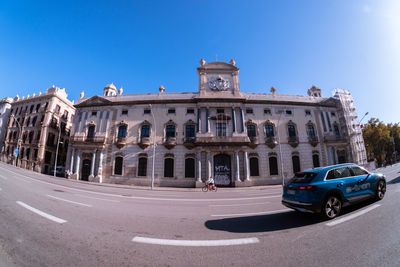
(41, 213)
(4, 178)
(245, 204)
(196, 243)
(352, 216)
(1, 189)
(251, 213)
(69, 201)
(148, 198)
(111, 200)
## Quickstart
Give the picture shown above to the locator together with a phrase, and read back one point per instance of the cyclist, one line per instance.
(210, 183)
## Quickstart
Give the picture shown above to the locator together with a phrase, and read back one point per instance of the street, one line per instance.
(47, 221)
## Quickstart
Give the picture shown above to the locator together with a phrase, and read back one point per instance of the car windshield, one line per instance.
(302, 177)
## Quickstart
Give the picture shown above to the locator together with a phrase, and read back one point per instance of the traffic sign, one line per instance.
(16, 152)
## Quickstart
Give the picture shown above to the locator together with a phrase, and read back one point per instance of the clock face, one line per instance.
(218, 84)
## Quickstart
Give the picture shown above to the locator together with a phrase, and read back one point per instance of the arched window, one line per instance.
(118, 165)
(315, 159)
(189, 167)
(122, 130)
(22, 153)
(273, 166)
(170, 131)
(34, 121)
(28, 121)
(168, 167)
(91, 131)
(336, 129)
(292, 130)
(31, 133)
(254, 167)
(296, 163)
(142, 169)
(251, 130)
(269, 130)
(311, 132)
(145, 131)
(28, 153)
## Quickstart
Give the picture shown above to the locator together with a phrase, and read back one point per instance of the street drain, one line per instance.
(57, 190)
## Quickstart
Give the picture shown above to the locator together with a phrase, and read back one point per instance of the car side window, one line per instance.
(338, 173)
(358, 171)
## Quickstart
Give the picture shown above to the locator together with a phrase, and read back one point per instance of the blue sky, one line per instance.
(139, 45)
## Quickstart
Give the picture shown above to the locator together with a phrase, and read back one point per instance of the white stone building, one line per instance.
(240, 139)
(37, 124)
(5, 108)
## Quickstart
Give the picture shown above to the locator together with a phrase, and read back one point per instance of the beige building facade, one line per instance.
(239, 139)
(38, 131)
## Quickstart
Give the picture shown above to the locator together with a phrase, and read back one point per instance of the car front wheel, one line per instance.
(331, 207)
(380, 190)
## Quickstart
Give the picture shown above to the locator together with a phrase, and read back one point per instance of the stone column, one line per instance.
(198, 158)
(71, 167)
(237, 172)
(208, 165)
(100, 169)
(91, 176)
(336, 156)
(233, 120)
(242, 119)
(78, 161)
(199, 120)
(208, 130)
(246, 166)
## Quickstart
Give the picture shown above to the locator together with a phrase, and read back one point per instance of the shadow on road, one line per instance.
(263, 223)
(274, 222)
(395, 180)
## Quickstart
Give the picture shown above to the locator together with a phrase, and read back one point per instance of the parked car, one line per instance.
(60, 171)
(326, 190)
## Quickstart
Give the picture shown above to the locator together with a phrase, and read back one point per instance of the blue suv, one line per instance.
(326, 190)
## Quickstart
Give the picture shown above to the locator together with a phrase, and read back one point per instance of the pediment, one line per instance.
(94, 101)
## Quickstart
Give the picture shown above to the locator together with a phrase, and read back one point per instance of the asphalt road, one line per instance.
(46, 221)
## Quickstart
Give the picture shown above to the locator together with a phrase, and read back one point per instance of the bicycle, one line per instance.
(209, 188)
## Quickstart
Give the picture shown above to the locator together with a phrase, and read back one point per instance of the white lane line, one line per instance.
(251, 213)
(244, 204)
(111, 200)
(352, 216)
(69, 201)
(149, 198)
(41, 213)
(196, 243)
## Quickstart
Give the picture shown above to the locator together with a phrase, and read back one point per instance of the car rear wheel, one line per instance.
(380, 190)
(331, 207)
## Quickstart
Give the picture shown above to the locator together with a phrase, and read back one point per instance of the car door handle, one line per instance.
(339, 184)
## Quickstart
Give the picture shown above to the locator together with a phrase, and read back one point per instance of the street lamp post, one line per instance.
(280, 147)
(58, 143)
(154, 147)
(366, 113)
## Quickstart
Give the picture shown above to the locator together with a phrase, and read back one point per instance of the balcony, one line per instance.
(293, 141)
(144, 142)
(89, 140)
(270, 141)
(330, 138)
(313, 140)
(189, 142)
(170, 142)
(121, 141)
(253, 141)
(222, 140)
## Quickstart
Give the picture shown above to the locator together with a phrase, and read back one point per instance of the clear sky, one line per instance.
(139, 45)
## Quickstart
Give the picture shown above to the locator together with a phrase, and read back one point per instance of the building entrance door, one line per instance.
(222, 170)
(341, 156)
(86, 169)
